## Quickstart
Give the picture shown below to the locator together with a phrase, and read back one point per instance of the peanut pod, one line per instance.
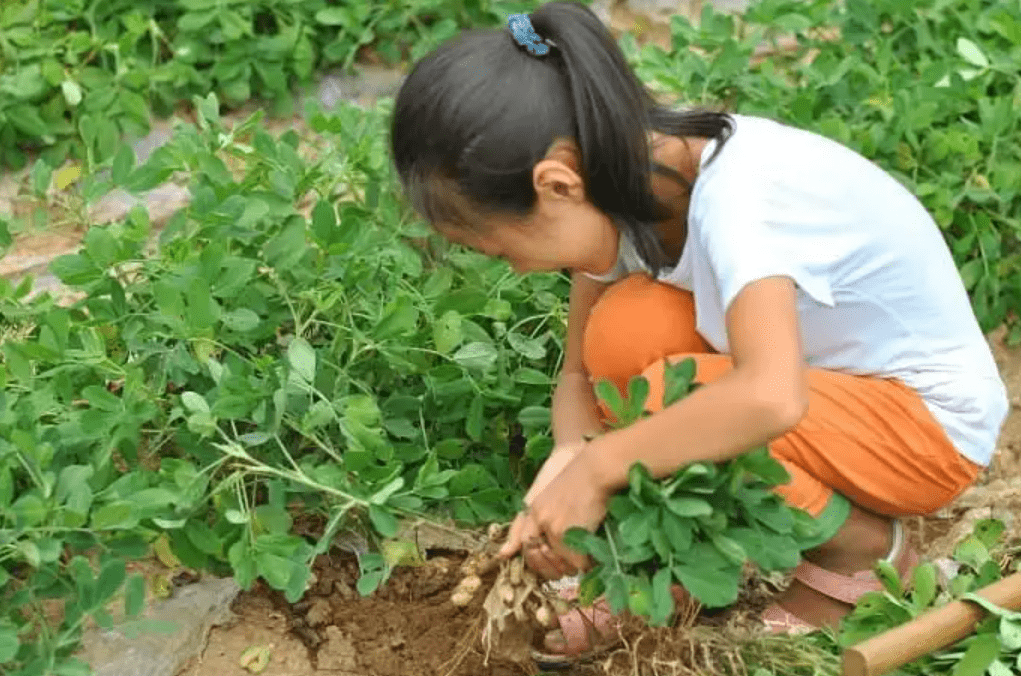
(470, 584)
(461, 597)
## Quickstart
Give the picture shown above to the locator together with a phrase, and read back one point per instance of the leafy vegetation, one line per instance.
(925, 89)
(76, 75)
(697, 528)
(994, 648)
(264, 375)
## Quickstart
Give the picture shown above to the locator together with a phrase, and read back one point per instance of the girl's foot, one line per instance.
(585, 633)
(824, 591)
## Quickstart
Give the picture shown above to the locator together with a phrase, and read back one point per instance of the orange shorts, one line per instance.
(871, 440)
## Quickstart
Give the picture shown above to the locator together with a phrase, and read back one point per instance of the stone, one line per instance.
(192, 612)
(338, 653)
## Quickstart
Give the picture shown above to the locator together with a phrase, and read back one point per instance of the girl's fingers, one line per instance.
(544, 562)
(573, 560)
(514, 538)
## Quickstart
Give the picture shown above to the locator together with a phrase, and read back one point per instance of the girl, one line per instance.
(817, 296)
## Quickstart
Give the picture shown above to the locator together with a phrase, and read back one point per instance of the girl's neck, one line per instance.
(682, 154)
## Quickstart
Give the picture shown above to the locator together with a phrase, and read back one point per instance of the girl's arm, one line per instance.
(764, 395)
(574, 410)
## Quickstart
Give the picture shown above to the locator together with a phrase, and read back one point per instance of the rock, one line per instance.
(434, 536)
(132, 649)
(337, 654)
(320, 613)
(371, 82)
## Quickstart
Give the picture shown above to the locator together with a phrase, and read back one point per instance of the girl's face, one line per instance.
(578, 238)
(564, 229)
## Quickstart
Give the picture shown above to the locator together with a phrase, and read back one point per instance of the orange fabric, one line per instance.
(871, 439)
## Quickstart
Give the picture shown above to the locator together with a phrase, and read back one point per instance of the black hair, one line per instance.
(474, 117)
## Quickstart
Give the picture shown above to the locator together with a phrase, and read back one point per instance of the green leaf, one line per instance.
(241, 320)
(689, 507)
(761, 464)
(636, 529)
(42, 175)
(75, 270)
(617, 593)
(110, 579)
(194, 402)
(638, 393)
(324, 222)
(302, 358)
(476, 356)
(888, 575)
(123, 165)
(530, 376)
(204, 538)
(383, 521)
(134, 596)
(1010, 633)
(998, 668)
(730, 549)
(982, 652)
(369, 582)
(30, 509)
(9, 644)
(923, 585)
(972, 552)
(447, 331)
(988, 532)
(474, 421)
(678, 531)
(713, 587)
(535, 417)
(608, 393)
(971, 53)
(30, 552)
(114, 515)
(529, 348)
(333, 16)
(662, 598)
(399, 318)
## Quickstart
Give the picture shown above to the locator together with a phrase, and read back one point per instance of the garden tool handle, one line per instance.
(931, 631)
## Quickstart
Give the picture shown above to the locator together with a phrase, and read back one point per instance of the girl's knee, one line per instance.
(637, 322)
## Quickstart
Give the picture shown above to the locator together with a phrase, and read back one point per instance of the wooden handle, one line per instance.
(929, 632)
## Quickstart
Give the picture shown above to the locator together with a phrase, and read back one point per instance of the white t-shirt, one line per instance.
(878, 291)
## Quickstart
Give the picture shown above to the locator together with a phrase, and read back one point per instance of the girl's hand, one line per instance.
(557, 460)
(573, 498)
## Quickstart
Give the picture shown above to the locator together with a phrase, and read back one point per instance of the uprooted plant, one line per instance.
(698, 527)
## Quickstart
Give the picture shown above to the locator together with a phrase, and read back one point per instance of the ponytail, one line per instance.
(476, 115)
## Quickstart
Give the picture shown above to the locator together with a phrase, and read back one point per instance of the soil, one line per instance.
(408, 628)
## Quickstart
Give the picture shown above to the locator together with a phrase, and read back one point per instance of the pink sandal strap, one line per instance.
(846, 588)
(850, 588)
(587, 628)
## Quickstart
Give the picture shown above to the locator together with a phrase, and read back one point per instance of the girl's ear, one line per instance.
(557, 175)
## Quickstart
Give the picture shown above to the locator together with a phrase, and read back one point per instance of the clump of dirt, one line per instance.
(409, 627)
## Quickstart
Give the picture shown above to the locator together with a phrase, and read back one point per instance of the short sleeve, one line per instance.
(745, 241)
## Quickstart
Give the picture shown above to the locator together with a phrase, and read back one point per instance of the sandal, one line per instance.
(584, 633)
(845, 588)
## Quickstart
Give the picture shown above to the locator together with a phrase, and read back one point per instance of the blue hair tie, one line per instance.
(525, 35)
